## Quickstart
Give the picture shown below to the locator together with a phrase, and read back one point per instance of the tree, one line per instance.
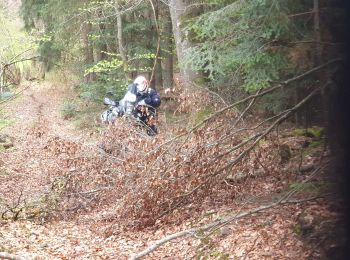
(182, 42)
(166, 47)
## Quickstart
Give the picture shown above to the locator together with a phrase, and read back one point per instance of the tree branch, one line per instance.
(256, 138)
(267, 91)
(285, 199)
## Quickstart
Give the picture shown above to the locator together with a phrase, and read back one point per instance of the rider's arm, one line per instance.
(153, 99)
(128, 101)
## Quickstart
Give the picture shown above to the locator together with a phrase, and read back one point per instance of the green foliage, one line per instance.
(243, 40)
(15, 45)
(58, 26)
(54, 24)
(275, 103)
(68, 109)
(105, 66)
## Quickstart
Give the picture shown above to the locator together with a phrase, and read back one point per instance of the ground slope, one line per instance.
(290, 231)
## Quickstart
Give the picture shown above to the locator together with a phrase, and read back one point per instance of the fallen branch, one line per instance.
(255, 139)
(254, 96)
(14, 96)
(285, 199)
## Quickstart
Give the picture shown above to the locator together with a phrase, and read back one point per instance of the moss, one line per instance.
(314, 132)
(316, 143)
(203, 114)
(314, 188)
(6, 123)
(297, 230)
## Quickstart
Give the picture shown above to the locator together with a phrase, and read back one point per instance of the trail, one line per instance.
(27, 173)
(24, 175)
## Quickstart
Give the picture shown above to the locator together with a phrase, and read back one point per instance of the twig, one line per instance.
(300, 14)
(247, 108)
(285, 199)
(21, 60)
(14, 96)
(91, 191)
(257, 137)
(267, 91)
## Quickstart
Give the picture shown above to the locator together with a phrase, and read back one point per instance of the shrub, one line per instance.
(68, 110)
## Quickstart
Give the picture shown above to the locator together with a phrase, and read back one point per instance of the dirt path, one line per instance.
(39, 106)
(28, 173)
(25, 175)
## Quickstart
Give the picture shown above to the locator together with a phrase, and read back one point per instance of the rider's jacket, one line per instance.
(132, 98)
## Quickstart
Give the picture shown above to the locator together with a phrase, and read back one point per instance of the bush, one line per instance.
(68, 110)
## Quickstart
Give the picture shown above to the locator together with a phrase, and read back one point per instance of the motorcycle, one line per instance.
(144, 114)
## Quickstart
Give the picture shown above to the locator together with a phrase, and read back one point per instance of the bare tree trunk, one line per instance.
(182, 43)
(156, 74)
(167, 49)
(318, 59)
(120, 42)
(317, 31)
(101, 53)
(88, 50)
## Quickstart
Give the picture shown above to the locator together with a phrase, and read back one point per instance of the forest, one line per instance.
(245, 158)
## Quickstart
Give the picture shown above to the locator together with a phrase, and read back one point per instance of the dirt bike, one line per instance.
(143, 114)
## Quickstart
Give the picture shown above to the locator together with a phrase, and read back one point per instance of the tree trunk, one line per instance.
(120, 42)
(88, 50)
(156, 75)
(101, 53)
(166, 48)
(317, 31)
(182, 43)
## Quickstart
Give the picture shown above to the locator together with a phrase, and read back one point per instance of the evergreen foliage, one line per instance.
(59, 28)
(243, 42)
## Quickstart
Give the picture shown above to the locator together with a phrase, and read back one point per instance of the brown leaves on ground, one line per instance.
(111, 198)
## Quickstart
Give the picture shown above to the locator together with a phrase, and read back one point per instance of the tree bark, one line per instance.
(120, 42)
(101, 53)
(317, 31)
(88, 50)
(156, 76)
(166, 48)
(182, 43)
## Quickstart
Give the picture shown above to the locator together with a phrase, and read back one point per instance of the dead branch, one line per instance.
(265, 92)
(233, 162)
(285, 199)
(247, 108)
(14, 96)
(4, 255)
(193, 231)
(21, 60)
(254, 140)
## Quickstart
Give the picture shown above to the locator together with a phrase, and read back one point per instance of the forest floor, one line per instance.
(300, 230)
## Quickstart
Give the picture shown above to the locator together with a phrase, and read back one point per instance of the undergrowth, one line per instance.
(143, 180)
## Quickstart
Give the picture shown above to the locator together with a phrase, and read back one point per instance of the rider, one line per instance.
(139, 93)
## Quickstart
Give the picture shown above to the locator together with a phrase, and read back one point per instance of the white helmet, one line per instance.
(141, 84)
